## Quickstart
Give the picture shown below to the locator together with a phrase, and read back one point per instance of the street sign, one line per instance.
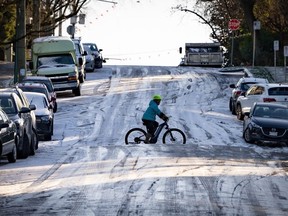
(82, 18)
(71, 29)
(276, 45)
(257, 25)
(234, 24)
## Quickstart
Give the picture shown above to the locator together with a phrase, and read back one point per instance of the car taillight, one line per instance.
(237, 93)
(269, 100)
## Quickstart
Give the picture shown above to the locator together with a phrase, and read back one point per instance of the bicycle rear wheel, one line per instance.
(174, 136)
(135, 136)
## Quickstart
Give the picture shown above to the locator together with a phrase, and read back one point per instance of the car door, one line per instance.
(7, 133)
(25, 116)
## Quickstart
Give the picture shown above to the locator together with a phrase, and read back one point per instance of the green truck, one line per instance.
(55, 57)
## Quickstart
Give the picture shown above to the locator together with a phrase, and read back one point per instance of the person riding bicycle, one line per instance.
(149, 117)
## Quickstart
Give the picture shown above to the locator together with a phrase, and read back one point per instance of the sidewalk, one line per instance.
(6, 73)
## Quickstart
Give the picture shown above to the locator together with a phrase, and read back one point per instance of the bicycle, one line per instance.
(171, 135)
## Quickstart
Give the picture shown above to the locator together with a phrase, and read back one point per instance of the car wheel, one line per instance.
(34, 142)
(55, 107)
(247, 136)
(230, 104)
(24, 153)
(77, 91)
(233, 109)
(12, 156)
(81, 78)
(48, 137)
(239, 114)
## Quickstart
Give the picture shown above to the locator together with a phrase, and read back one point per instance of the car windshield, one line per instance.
(246, 86)
(8, 105)
(39, 102)
(64, 59)
(88, 50)
(34, 89)
(48, 84)
(93, 47)
(271, 112)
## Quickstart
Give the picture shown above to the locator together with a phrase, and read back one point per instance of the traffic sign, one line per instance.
(71, 29)
(276, 45)
(234, 24)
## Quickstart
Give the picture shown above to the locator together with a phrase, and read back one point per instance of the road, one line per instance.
(88, 170)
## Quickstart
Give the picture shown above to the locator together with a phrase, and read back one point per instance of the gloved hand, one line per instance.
(165, 118)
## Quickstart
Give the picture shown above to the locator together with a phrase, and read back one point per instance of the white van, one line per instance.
(55, 57)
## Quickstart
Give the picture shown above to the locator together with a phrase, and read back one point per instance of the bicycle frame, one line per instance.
(158, 131)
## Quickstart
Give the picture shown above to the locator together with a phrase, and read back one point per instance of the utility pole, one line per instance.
(20, 45)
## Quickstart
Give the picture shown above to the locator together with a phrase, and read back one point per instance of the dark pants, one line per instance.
(151, 126)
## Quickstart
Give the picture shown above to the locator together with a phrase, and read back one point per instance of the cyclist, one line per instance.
(149, 117)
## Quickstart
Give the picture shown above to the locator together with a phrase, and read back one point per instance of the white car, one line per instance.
(261, 92)
(240, 88)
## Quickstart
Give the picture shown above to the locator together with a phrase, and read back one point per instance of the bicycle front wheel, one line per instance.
(174, 136)
(135, 136)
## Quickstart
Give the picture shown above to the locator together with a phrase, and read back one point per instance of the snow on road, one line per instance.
(88, 170)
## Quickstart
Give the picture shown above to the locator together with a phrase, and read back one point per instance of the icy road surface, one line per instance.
(88, 170)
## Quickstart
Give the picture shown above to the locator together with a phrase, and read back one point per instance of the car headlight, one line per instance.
(72, 76)
(255, 126)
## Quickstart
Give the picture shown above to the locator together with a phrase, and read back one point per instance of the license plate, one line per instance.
(273, 133)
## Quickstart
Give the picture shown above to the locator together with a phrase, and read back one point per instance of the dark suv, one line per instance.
(48, 83)
(240, 88)
(98, 58)
(21, 115)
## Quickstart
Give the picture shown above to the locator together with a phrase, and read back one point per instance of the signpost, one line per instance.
(256, 26)
(285, 56)
(233, 25)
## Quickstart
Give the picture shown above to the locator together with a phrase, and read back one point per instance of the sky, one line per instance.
(140, 32)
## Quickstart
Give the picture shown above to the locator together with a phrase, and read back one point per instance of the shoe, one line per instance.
(148, 136)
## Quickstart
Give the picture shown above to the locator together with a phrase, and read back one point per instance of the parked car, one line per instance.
(48, 83)
(8, 138)
(37, 87)
(21, 115)
(98, 58)
(261, 92)
(90, 63)
(44, 114)
(240, 88)
(25, 103)
(266, 122)
(80, 53)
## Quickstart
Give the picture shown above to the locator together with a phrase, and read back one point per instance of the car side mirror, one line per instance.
(25, 110)
(85, 53)
(180, 50)
(100, 50)
(232, 86)
(32, 107)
